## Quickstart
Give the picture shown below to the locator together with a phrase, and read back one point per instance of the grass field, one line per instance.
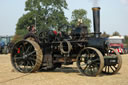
(68, 75)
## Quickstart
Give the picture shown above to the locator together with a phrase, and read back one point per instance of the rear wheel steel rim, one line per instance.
(26, 56)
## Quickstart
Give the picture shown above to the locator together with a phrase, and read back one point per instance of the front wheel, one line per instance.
(90, 61)
(113, 68)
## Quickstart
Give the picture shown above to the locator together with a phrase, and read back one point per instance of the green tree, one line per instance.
(45, 13)
(104, 34)
(22, 24)
(25, 21)
(116, 33)
(126, 41)
(48, 12)
(80, 14)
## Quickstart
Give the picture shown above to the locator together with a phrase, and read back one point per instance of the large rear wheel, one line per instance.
(26, 56)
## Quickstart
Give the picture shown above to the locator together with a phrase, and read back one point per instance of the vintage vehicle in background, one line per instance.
(4, 44)
(117, 42)
(118, 49)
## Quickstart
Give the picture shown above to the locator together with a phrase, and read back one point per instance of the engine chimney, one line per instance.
(96, 21)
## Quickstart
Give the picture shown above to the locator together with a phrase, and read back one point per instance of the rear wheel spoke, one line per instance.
(31, 53)
(18, 58)
(28, 49)
(25, 66)
(20, 63)
(32, 59)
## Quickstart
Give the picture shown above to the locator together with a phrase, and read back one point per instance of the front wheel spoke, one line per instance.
(95, 65)
(83, 55)
(92, 70)
(83, 64)
(95, 68)
(96, 60)
(92, 55)
(88, 58)
(105, 68)
(88, 54)
(82, 59)
(112, 68)
(115, 67)
(85, 67)
(108, 69)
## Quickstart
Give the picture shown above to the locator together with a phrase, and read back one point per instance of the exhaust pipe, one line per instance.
(96, 21)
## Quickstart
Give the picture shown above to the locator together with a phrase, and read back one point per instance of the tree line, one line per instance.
(46, 14)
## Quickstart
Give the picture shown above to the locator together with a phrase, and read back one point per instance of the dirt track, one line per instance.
(68, 75)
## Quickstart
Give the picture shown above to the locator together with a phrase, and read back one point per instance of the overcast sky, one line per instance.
(114, 14)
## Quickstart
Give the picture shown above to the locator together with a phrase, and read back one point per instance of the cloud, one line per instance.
(124, 2)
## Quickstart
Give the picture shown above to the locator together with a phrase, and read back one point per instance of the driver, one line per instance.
(31, 29)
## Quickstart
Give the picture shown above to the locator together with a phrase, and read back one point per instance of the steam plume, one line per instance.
(95, 3)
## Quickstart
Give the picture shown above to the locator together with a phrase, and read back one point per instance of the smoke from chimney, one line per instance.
(95, 3)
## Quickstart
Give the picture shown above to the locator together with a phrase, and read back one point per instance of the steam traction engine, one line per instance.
(48, 51)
